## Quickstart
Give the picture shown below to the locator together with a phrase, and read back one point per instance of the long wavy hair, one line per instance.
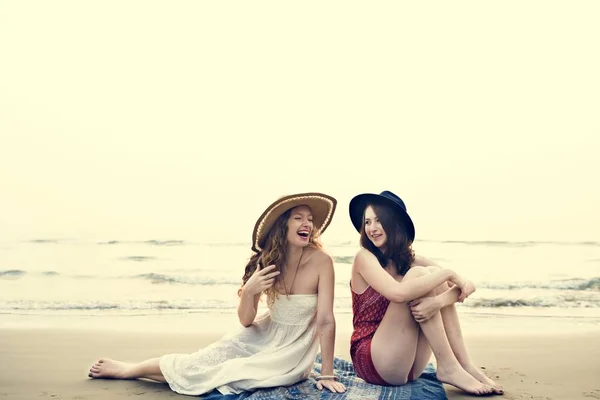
(274, 252)
(398, 247)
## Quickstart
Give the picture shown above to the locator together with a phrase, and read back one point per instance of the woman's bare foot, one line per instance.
(106, 368)
(478, 374)
(463, 380)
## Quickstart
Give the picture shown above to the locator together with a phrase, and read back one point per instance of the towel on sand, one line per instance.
(427, 387)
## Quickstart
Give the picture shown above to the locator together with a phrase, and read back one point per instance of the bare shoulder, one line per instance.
(318, 258)
(363, 259)
(364, 256)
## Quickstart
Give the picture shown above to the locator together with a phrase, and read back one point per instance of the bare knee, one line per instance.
(444, 286)
(416, 271)
(395, 377)
(403, 379)
(432, 268)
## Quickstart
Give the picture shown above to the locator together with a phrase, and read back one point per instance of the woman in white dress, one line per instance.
(277, 348)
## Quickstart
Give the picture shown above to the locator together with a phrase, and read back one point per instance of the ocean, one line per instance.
(186, 285)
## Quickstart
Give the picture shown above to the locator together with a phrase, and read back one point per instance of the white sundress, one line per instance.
(278, 349)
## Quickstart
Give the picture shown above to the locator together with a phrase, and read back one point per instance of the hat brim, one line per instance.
(321, 206)
(359, 203)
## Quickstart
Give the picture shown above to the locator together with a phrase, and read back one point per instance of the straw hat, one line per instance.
(321, 205)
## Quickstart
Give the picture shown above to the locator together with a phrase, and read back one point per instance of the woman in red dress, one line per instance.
(403, 305)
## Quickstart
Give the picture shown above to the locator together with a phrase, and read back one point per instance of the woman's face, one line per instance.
(300, 226)
(374, 229)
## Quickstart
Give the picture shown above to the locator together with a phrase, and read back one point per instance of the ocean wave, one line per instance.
(344, 244)
(153, 242)
(163, 278)
(17, 273)
(229, 244)
(45, 241)
(123, 306)
(544, 302)
(151, 276)
(343, 259)
(564, 302)
(492, 243)
(215, 278)
(567, 284)
(12, 273)
(165, 242)
(138, 258)
(508, 243)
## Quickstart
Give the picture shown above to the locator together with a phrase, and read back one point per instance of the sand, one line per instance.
(53, 363)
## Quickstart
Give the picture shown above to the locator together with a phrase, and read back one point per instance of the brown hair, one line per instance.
(398, 247)
(274, 252)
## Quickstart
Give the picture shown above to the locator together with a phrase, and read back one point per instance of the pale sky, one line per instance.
(184, 120)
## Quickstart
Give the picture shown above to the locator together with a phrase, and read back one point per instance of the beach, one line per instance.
(53, 363)
(66, 303)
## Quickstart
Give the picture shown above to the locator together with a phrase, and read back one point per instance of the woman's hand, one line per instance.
(424, 308)
(333, 386)
(469, 289)
(261, 280)
(466, 287)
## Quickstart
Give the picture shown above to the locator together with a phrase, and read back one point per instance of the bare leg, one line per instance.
(422, 357)
(106, 368)
(457, 342)
(395, 343)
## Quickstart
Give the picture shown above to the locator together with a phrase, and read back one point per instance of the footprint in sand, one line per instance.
(592, 395)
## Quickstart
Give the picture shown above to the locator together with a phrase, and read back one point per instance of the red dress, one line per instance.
(368, 309)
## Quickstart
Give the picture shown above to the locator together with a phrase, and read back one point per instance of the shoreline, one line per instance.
(215, 322)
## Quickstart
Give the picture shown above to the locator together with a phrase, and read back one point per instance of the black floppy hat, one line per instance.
(359, 203)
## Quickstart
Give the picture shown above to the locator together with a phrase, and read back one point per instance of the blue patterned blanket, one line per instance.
(427, 387)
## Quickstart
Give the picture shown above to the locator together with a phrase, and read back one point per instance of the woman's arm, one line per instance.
(325, 317)
(261, 280)
(326, 321)
(248, 307)
(424, 308)
(449, 296)
(400, 292)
